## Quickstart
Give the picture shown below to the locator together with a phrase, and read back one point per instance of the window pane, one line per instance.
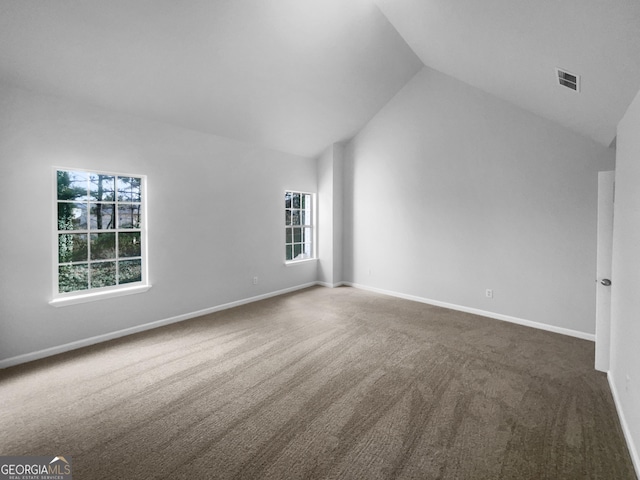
(129, 189)
(129, 244)
(72, 216)
(73, 277)
(72, 247)
(103, 274)
(102, 217)
(130, 271)
(298, 239)
(103, 246)
(107, 209)
(102, 187)
(129, 216)
(72, 185)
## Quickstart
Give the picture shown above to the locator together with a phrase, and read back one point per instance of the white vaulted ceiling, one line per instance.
(298, 75)
(510, 48)
(293, 75)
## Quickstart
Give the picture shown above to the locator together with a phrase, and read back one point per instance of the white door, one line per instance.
(603, 269)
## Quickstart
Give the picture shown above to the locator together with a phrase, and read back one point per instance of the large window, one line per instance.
(100, 234)
(299, 232)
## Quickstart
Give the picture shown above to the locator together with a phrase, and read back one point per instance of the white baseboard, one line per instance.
(28, 357)
(330, 285)
(47, 352)
(475, 311)
(633, 451)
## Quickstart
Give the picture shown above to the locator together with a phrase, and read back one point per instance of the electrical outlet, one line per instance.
(255, 280)
(489, 293)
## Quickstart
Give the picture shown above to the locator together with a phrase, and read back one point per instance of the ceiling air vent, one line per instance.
(569, 80)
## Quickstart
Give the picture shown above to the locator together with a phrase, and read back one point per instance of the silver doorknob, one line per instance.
(606, 282)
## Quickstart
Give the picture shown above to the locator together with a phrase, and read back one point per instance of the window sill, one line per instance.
(291, 263)
(92, 297)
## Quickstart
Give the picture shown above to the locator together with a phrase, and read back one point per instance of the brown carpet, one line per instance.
(322, 383)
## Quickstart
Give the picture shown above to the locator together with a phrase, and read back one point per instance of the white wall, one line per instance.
(450, 191)
(324, 247)
(625, 289)
(338, 211)
(330, 221)
(215, 215)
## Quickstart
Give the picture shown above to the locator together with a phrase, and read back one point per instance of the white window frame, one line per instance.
(91, 294)
(311, 225)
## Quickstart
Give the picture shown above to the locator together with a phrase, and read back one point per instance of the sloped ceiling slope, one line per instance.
(292, 75)
(510, 48)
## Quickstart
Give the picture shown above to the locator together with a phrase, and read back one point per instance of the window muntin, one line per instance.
(99, 231)
(299, 234)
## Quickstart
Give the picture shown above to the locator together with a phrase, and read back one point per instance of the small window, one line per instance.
(100, 236)
(299, 230)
